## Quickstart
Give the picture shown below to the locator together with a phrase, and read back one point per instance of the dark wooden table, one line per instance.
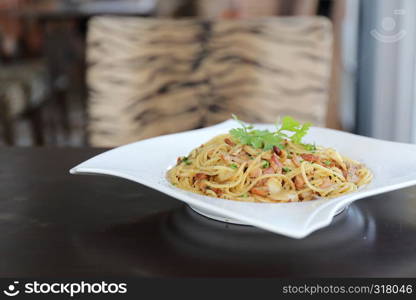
(56, 224)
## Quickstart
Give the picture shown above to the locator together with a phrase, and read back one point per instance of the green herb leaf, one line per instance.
(241, 122)
(265, 139)
(310, 147)
(271, 140)
(234, 166)
(300, 133)
(265, 164)
(286, 169)
(186, 161)
(327, 162)
(289, 124)
(256, 142)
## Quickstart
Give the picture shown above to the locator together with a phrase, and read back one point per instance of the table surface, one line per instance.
(56, 224)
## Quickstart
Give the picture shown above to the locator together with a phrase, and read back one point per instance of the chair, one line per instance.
(149, 77)
(22, 92)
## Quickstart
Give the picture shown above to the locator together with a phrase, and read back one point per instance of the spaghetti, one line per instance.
(226, 168)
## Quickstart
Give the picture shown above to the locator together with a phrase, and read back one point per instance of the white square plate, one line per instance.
(146, 162)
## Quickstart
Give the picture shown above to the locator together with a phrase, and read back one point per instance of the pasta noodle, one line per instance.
(228, 169)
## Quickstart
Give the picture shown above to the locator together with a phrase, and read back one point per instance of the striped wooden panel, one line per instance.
(149, 77)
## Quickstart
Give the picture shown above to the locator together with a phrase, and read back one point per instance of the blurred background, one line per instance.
(107, 72)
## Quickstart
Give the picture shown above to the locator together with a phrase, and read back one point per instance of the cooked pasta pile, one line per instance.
(227, 169)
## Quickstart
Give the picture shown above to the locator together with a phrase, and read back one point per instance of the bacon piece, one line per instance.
(269, 170)
(202, 185)
(277, 169)
(299, 182)
(229, 142)
(201, 176)
(259, 191)
(310, 157)
(276, 164)
(217, 191)
(277, 150)
(330, 165)
(261, 182)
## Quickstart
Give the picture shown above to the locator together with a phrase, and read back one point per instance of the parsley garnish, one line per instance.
(234, 166)
(310, 147)
(327, 162)
(288, 128)
(186, 161)
(265, 164)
